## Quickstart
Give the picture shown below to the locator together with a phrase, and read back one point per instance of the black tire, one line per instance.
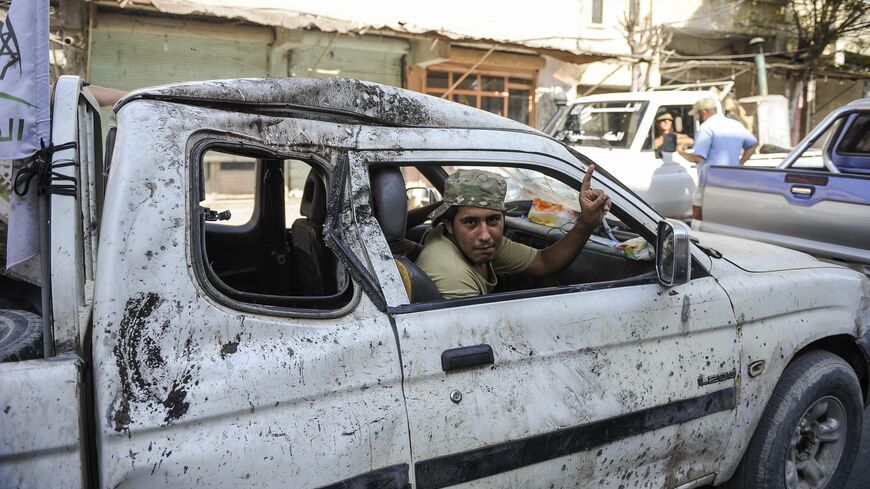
(792, 434)
(20, 335)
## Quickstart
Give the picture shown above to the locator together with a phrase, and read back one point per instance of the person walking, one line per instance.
(719, 141)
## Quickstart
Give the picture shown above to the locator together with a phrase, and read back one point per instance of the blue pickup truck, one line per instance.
(817, 200)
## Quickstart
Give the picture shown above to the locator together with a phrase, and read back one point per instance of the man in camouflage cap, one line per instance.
(466, 252)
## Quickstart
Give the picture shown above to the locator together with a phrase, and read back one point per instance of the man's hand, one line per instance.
(594, 203)
(690, 157)
(747, 153)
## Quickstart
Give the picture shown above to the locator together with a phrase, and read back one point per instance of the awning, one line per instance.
(544, 31)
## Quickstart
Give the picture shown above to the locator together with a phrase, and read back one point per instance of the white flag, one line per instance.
(24, 79)
(24, 112)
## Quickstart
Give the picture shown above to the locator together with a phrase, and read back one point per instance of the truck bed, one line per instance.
(39, 417)
(824, 214)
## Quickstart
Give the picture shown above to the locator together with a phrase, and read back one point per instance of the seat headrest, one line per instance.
(313, 204)
(390, 202)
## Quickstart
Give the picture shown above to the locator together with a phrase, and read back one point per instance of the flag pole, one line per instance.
(45, 276)
(43, 130)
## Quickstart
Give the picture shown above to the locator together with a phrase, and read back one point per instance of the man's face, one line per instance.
(477, 232)
(705, 114)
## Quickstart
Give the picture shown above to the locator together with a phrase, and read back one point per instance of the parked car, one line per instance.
(820, 205)
(191, 352)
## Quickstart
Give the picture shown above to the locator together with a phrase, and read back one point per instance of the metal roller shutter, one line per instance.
(127, 60)
(372, 58)
(131, 52)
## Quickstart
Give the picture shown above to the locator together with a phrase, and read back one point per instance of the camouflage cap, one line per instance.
(475, 188)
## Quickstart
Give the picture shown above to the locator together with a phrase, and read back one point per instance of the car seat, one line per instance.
(390, 204)
(315, 265)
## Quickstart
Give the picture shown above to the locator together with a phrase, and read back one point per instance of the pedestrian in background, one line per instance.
(719, 141)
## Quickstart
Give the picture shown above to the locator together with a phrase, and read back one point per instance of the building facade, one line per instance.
(512, 62)
(128, 45)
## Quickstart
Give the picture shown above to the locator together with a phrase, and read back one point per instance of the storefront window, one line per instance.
(508, 95)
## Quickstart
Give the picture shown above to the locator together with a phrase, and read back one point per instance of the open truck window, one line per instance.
(684, 123)
(262, 232)
(540, 209)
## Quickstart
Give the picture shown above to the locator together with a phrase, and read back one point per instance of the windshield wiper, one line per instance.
(575, 137)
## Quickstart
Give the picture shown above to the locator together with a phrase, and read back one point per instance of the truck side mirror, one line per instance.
(420, 196)
(673, 256)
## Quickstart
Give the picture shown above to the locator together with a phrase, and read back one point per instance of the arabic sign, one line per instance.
(24, 112)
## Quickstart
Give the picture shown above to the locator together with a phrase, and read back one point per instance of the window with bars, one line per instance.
(506, 94)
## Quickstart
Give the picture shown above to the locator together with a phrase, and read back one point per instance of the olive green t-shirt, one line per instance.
(445, 264)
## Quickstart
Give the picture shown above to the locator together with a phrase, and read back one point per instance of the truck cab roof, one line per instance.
(332, 98)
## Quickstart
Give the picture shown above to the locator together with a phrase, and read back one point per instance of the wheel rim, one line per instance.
(817, 444)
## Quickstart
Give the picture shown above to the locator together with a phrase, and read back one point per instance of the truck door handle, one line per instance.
(802, 192)
(466, 356)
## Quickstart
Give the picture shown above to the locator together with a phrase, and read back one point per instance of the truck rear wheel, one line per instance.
(20, 335)
(809, 434)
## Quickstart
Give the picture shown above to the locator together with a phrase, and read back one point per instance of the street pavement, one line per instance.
(861, 472)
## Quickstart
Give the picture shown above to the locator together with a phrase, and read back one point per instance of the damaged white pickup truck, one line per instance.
(182, 349)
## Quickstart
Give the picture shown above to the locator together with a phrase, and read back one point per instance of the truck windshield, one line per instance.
(606, 124)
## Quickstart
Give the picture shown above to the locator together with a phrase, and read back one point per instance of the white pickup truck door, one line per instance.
(194, 392)
(599, 385)
(617, 385)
